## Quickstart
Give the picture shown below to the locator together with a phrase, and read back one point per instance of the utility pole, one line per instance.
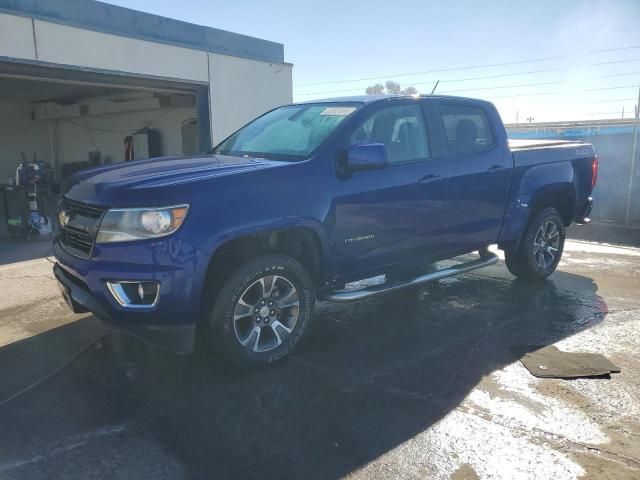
(634, 150)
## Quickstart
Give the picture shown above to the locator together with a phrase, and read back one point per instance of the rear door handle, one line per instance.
(495, 168)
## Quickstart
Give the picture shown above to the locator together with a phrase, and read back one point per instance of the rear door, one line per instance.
(393, 214)
(480, 168)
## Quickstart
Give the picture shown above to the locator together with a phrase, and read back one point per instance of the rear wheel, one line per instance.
(261, 312)
(541, 247)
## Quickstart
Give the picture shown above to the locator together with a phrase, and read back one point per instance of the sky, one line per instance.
(544, 60)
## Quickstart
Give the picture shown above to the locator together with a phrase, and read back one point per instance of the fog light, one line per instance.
(131, 294)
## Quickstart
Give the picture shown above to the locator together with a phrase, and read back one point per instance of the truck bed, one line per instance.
(517, 144)
(531, 152)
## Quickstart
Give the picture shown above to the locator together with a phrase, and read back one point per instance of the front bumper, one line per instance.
(178, 267)
(176, 338)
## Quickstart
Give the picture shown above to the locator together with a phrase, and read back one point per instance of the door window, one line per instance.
(400, 128)
(467, 129)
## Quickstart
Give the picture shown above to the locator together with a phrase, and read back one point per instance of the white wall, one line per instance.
(75, 46)
(106, 133)
(19, 133)
(16, 37)
(24, 38)
(242, 89)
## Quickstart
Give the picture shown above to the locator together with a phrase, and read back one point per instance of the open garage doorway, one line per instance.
(54, 123)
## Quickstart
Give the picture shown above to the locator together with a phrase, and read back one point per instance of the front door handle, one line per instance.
(495, 168)
(429, 178)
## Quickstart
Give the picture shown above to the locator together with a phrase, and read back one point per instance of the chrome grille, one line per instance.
(79, 234)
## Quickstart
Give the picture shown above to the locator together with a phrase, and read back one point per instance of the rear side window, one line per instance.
(467, 128)
(400, 128)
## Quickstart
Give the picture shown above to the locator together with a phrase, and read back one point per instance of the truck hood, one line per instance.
(128, 182)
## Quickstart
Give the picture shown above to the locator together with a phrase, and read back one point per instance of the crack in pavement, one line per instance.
(72, 444)
(543, 435)
(51, 374)
(18, 277)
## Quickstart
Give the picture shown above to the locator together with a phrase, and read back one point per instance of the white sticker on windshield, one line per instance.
(338, 111)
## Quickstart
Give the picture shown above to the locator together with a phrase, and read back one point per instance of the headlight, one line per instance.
(126, 224)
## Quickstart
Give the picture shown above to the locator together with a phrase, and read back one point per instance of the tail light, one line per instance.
(594, 171)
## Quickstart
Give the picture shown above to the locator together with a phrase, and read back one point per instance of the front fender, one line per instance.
(215, 242)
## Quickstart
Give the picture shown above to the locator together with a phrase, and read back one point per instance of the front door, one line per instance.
(387, 216)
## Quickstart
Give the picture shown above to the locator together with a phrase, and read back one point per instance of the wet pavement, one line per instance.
(421, 384)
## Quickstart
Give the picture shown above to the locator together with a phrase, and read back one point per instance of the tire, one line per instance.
(261, 312)
(514, 265)
(541, 247)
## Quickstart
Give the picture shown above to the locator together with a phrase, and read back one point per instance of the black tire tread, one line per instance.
(220, 332)
(520, 262)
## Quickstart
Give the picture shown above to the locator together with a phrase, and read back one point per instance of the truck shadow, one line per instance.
(14, 250)
(369, 377)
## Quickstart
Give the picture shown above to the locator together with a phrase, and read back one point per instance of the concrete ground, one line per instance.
(422, 384)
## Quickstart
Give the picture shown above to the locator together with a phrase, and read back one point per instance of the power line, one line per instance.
(631, 47)
(616, 75)
(619, 112)
(613, 100)
(431, 71)
(626, 60)
(612, 88)
(539, 94)
(503, 86)
(473, 67)
(484, 88)
(486, 77)
(483, 78)
(351, 90)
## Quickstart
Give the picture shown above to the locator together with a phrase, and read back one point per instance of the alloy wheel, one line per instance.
(546, 244)
(266, 313)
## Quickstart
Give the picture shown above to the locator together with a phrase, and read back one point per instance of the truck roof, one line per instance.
(377, 98)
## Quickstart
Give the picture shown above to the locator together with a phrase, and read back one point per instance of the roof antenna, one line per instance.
(434, 87)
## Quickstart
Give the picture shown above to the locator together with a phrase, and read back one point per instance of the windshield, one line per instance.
(288, 133)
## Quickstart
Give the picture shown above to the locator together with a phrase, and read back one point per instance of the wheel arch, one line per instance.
(301, 242)
(559, 196)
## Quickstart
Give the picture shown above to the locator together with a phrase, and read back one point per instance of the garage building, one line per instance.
(85, 83)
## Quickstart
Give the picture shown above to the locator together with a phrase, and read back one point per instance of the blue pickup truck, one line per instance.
(234, 246)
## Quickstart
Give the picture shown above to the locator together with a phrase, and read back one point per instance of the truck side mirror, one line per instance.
(367, 156)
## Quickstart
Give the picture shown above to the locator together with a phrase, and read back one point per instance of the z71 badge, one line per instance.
(371, 236)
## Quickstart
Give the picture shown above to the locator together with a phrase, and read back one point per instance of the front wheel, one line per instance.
(541, 247)
(262, 311)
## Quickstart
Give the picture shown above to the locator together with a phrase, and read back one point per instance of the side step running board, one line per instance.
(344, 296)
